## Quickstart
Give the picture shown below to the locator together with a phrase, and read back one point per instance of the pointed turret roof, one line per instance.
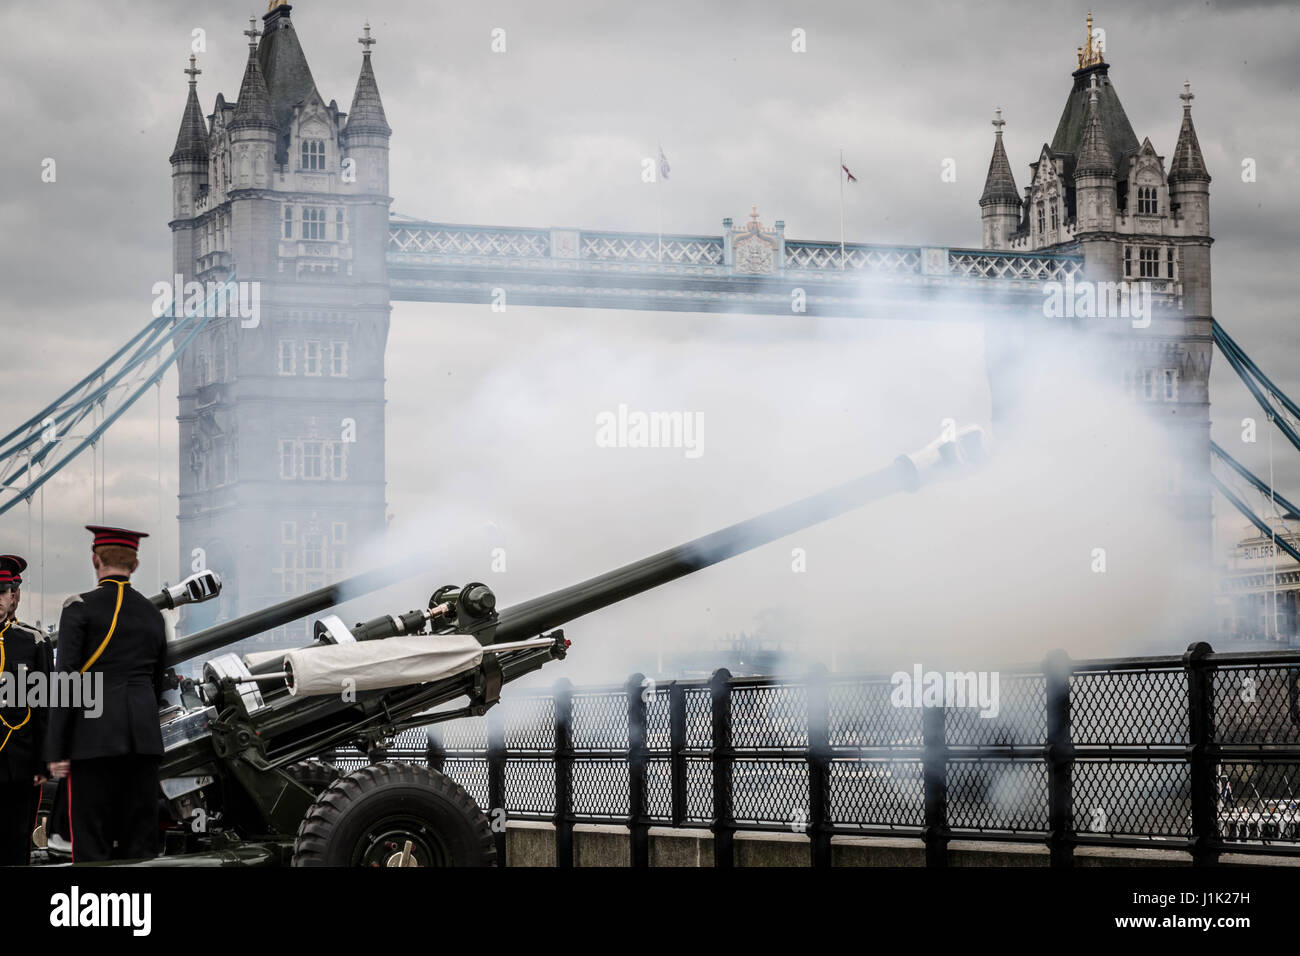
(1094, 157)
(288, 77)
(1000, 184)
(367, 113)
(1188, 163)
(253, 110)
(1120, 138)
(192, 140)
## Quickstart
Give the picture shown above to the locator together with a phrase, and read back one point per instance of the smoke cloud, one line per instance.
(1063, 539)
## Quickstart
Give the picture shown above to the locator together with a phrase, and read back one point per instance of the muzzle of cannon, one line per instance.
(197, 588)
(269, 618)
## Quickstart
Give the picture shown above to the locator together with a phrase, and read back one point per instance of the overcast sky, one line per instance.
(552, 133)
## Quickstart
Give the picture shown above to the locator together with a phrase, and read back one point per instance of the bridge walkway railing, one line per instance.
(1198, 753)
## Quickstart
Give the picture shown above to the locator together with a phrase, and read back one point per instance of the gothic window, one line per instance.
(1149, 384)
(1148, 204)
(1128, 261)
(313, 552)
(313, 154)
(312, 465)
(1171, 385)
(338, 224)
(311, 358)
(1169, 262)
(339, 533)
(1055, 216)
(288, 572)
(288, 532)
(1148, 263)
(286, 357)
(338, 359)
(288, 455)
(288, 222)
(314, 460)
(313, 222)
(1042, 221)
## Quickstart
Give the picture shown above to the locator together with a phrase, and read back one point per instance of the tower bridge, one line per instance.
(285, 189)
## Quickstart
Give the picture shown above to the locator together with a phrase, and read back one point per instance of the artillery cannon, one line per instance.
(237, 773)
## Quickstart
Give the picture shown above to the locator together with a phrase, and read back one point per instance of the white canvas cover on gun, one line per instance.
(372, 665)
(392, 662)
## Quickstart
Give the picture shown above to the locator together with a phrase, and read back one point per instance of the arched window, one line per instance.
(313, 154)
(1042, 219)
(1148, 204)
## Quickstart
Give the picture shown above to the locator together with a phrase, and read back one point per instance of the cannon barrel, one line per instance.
(905, 474)
(197, 588)
(228, 632)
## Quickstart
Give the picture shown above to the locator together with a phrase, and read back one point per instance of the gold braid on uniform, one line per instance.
(10, 727)
(121, 589)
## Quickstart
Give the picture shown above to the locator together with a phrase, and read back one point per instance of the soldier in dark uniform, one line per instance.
(23, 651)
(111, 761)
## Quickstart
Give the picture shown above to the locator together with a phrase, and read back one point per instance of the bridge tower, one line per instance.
(1096, 190)
(282, 412)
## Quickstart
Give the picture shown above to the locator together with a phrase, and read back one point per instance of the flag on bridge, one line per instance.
(852, 178)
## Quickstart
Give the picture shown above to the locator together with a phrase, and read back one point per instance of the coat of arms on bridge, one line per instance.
(754, 249)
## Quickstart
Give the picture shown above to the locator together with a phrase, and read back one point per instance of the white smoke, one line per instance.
(494, 447)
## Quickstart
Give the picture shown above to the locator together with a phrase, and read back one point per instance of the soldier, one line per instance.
(23, 650)
(111, 759)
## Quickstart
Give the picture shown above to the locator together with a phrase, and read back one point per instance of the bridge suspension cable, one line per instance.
(1285, 414)
(1275, 402)
(1225, 488)
(39, 448)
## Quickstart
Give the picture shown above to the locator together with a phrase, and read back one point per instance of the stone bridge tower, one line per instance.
(282, 414)
(1096, 190)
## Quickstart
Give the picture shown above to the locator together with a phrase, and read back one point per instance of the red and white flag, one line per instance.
(852, 178)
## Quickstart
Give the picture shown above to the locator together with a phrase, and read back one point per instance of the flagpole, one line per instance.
(659, 206)
(840, 172)
(659, 209)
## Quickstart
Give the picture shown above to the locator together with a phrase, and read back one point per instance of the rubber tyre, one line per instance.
(316, 775)
(348, 823)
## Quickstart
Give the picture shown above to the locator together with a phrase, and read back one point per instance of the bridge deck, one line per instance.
(749, 270)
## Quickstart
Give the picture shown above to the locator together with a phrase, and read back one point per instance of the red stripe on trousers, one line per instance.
(72, 850)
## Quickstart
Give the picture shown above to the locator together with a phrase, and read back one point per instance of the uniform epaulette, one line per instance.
(73, 599)
(40, 635)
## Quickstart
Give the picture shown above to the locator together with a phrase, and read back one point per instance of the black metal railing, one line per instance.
(1198, 753)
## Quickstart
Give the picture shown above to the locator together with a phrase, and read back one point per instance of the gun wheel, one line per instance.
(316, 775)
(394, 814)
